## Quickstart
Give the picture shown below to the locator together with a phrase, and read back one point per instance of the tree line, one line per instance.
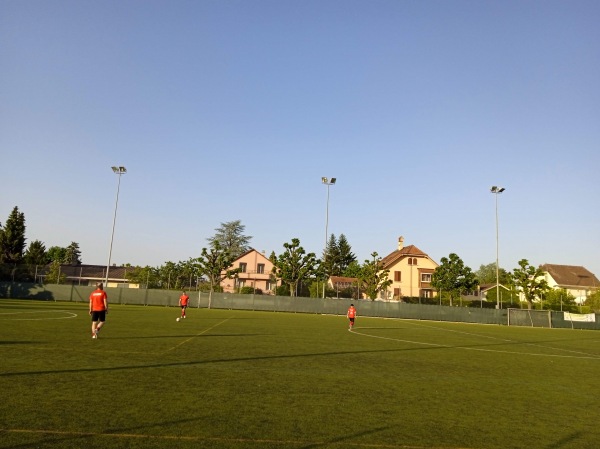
(301, 273)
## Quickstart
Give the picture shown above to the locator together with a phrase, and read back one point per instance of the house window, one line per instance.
(396, 293)
(425, 277)
(412, 260)
(397, 276)
(260, 268)
(243, 267)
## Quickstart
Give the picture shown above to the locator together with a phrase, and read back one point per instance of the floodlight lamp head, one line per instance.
(119, 170)
(494, 189)
(333, 180)
(324, 180)
(501, 189)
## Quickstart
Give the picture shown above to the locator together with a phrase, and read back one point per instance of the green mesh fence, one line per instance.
(327, 306)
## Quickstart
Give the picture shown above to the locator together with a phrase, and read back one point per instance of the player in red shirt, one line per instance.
(183, 303)
(98, 308)
(351, 314)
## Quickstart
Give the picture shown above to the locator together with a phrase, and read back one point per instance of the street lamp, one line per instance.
(327, 182)
(497, 190)
(118, 171)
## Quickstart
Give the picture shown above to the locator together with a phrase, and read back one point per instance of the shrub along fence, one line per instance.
(325, 306)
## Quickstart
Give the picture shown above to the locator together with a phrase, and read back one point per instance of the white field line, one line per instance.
(194, 336)
(69, 315)
(581, 355)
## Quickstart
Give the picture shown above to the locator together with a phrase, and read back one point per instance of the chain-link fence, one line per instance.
(325, 306)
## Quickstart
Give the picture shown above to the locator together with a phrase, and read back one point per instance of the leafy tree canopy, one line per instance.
(530, 280)
(294, 265)
(373, 278)
(454, 277)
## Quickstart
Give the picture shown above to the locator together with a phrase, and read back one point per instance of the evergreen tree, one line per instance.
(72, 255)
(231, 238)
(346, 256)
(12, 238)
(36, 254)
(331, 258)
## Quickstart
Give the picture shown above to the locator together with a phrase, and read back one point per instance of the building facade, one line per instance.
(410, 271)
(254, 271)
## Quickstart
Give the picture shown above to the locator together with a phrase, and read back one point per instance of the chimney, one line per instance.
(400, 243)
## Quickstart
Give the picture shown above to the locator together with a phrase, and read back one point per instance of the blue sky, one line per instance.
(224, 110)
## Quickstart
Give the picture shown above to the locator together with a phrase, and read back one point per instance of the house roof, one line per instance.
(341, 279)
(251, 250)
(410, 250)
(572, 276)
(92, 271)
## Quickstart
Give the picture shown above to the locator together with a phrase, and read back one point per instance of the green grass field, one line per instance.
(253, 380)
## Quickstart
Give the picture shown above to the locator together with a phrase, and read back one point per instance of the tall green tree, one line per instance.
(231, 238)
(215, 264)
(338, 256)
(54, 275)
(347, 257)
(560, 300)
(145, 276)
(453, 277)
(294, 265)
(57, 254)
(12, 238)
(373, 277)
(487, 274)
(530, 281)
(593, 301)
(72, 254)
(36, 254)
(331, 258)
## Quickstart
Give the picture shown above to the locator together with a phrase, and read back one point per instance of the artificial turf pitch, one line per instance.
(256, 380)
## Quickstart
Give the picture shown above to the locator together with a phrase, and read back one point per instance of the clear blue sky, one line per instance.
(234, 109)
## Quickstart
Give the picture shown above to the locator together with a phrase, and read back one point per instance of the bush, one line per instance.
(250, 291)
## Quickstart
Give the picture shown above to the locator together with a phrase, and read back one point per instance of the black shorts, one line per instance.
(351, 320)
(184, 307)
(99, 316)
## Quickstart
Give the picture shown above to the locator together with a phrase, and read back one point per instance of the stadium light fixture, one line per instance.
(120, 170)
(496, 191)
(328, 182)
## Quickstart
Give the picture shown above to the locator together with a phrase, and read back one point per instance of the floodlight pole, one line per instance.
(496, 191)
(328, 182)
(118, 171)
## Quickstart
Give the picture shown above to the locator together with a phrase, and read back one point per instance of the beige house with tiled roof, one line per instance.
(255, 271)
(410, 271)
(576, 280)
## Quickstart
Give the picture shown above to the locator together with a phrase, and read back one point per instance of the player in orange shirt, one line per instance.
(183, 303)
(351, 314)
(98, 308)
